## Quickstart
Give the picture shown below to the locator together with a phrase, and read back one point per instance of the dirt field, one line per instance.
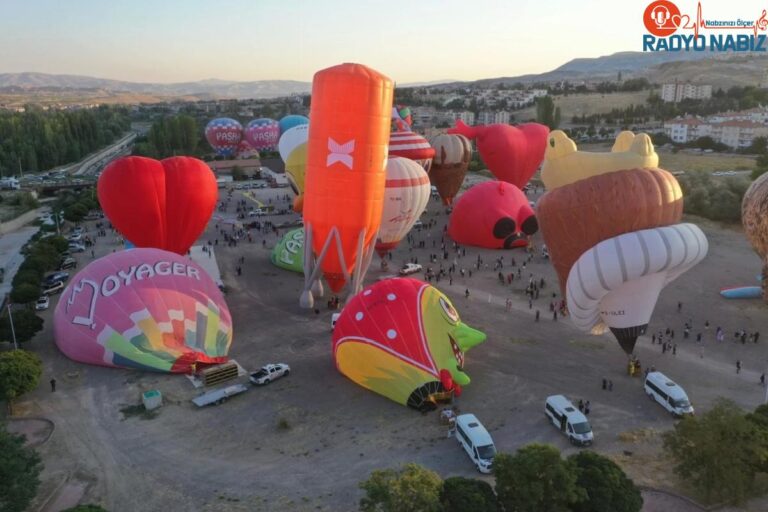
(304, 443)
(587, 104)
(705, 162)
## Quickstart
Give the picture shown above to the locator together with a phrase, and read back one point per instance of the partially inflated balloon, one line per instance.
(452, 156)
(293, 150)
(754, 217)
(289, 251)
(158, 203)
(347, 153)
(403, 339)
(401, 118)
(494, 215)
(224, 135)
(406, 194)
(512, 153)
(263, 134)
(288, 122)
(145, 309)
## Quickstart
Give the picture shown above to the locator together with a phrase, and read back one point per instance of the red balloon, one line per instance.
(512, 153)
(494, 215)
(164, 204)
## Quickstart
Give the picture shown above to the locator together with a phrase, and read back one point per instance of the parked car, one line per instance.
(258, 212)
(418, 224)
(55, 278)
(269, 373)
(76, 247)
(68, 263)
(75, 237)
(78, 230)
(42, 303)
(410, 268)
(57, 287)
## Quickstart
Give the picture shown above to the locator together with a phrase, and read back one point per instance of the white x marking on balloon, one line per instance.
(340, 152)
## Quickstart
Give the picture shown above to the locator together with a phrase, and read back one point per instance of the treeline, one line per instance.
(169, 136)
(41, 140)
(715, 199)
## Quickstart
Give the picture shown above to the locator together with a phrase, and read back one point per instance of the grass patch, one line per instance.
(130, 411)
(705, 162)
(637, 435)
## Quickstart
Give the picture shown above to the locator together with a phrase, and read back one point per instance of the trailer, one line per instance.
(219, 396)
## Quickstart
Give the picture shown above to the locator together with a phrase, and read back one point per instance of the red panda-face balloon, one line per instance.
(493, 215)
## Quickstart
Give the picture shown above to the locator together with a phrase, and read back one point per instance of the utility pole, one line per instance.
(21, 173)
(13, 331)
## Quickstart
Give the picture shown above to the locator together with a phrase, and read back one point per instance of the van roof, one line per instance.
(474, 429)
(667, 385)
(564, 405)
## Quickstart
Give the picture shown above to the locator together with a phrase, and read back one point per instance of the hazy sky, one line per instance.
(409, 40)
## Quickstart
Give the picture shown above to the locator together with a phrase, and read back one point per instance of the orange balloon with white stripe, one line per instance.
(406, 194)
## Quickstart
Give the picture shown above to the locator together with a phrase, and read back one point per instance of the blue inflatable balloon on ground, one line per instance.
(290, 121)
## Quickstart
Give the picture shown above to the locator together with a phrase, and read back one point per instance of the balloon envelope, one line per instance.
(224, 135)
(262, 134)
(289, 121)
(144, 309)
(403, 339)
(347, 151)
(512, 153)
(413, 146)
(158, 203)
(293, 150)
(452, 156)
(289, 251)
(406, 194)
(494, 215)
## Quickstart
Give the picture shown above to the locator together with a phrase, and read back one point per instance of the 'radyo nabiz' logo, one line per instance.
(669, 29)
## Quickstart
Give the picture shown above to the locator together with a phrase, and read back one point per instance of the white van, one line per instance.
(476, 441)
(672, 397)
(569, 420)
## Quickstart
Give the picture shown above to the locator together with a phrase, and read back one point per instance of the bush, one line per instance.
(20, 373)
(718, 200)
(20, 468)
(463, 494)
(412, 489)
(25, 324)
(25, 293)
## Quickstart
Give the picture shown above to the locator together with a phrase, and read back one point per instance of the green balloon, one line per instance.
(289, 251)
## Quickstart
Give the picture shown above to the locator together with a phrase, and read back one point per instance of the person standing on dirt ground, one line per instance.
(53, 384)
(738, 366)
(537, 315)
(586, 408)
(466, 293)
(762, 379)
(93, 254)
(679, 306)
(610, 385)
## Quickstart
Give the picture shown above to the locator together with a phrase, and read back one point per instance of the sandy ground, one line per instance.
(234, 457)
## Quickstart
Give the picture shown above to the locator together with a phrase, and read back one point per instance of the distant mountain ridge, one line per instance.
(720, 69)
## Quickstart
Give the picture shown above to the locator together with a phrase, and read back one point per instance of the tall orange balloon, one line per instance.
(345, 174)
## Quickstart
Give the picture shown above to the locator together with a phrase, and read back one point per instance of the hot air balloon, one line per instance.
(754, 217)
(290, 121)
(406, 194)
(614, 236)
(564, 164)
(452, 156)
(224, 135)
(145, 309)
(512, 153)
(494, 215)
(616, 283)
(293, 150)
(413, 146)
(403, 339)
(401, 118)
(289, 251)
(347, 151)
(263, 134)
(158, 203)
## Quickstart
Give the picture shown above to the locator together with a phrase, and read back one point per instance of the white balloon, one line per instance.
(406, 194)
(291, 139)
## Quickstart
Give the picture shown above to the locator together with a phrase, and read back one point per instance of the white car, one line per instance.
(410, 268)
(269, 373)
(418, 224)
(42, 303)
(75, 237)
(76, 247)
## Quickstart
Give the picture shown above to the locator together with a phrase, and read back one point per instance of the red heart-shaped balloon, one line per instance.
(158, 203)
(512, 153)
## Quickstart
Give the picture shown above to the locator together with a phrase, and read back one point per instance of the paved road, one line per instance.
(88, 166)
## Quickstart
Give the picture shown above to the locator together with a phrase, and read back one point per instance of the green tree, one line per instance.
(238, 174)
(536, 479)
(545, 112)
(20, 468)
(25, 324)
(86, 508)
(412, 489)
(465, 494)
(25, 293)
(719, 452)
(608, 489)
(20, 372)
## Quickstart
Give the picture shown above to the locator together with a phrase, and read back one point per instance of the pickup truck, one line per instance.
(219, 396)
